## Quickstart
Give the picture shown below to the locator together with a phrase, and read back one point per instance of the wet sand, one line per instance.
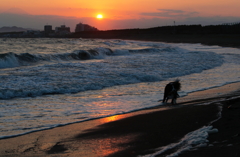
(226, 142)
(141, 132)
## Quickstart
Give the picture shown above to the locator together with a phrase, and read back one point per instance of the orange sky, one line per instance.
(127, 9)
(123, 8)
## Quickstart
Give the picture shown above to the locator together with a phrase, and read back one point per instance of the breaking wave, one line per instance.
(73, 77)
(11, 60)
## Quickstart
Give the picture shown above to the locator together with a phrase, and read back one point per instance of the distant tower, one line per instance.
(174, 27)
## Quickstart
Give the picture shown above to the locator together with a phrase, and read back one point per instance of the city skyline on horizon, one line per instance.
(118, 14)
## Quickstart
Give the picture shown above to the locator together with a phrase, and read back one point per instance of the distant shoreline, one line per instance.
(221, 35)
(224, 40)
(220, 40)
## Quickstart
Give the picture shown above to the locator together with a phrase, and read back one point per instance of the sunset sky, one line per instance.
(119, 14)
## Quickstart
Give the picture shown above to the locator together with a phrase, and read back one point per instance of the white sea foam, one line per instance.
(72, 77)
(8, 61)
(192, 140)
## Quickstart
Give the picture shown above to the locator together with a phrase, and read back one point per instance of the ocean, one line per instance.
(47, 83)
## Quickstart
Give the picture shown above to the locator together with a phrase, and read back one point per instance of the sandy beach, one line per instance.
(141, 132)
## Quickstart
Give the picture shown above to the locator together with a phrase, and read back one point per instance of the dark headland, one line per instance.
(223, 35)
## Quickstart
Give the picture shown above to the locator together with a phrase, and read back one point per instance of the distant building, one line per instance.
(84, 27)
(63, 30)
(32, 33)
(48, 29)
(79, 27)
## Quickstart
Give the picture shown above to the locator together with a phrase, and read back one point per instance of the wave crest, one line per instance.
(10, 60)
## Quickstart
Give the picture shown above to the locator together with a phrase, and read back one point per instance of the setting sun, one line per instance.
(99, 16)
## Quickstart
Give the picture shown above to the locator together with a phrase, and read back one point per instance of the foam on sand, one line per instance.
(192, 140)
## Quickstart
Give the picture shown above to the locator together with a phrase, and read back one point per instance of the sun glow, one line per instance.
(99, 16)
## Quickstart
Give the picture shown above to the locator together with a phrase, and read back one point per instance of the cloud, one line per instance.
(169, 13)
(15, 11)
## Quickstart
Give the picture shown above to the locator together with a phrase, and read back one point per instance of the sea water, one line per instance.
(51, 82)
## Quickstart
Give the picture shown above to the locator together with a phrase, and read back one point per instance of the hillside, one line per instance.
(12, 29)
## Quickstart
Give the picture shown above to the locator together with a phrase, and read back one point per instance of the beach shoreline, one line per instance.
(132, 134)
(142, 132)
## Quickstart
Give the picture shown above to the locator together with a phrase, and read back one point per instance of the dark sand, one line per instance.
(141, 132)
(225, 143)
